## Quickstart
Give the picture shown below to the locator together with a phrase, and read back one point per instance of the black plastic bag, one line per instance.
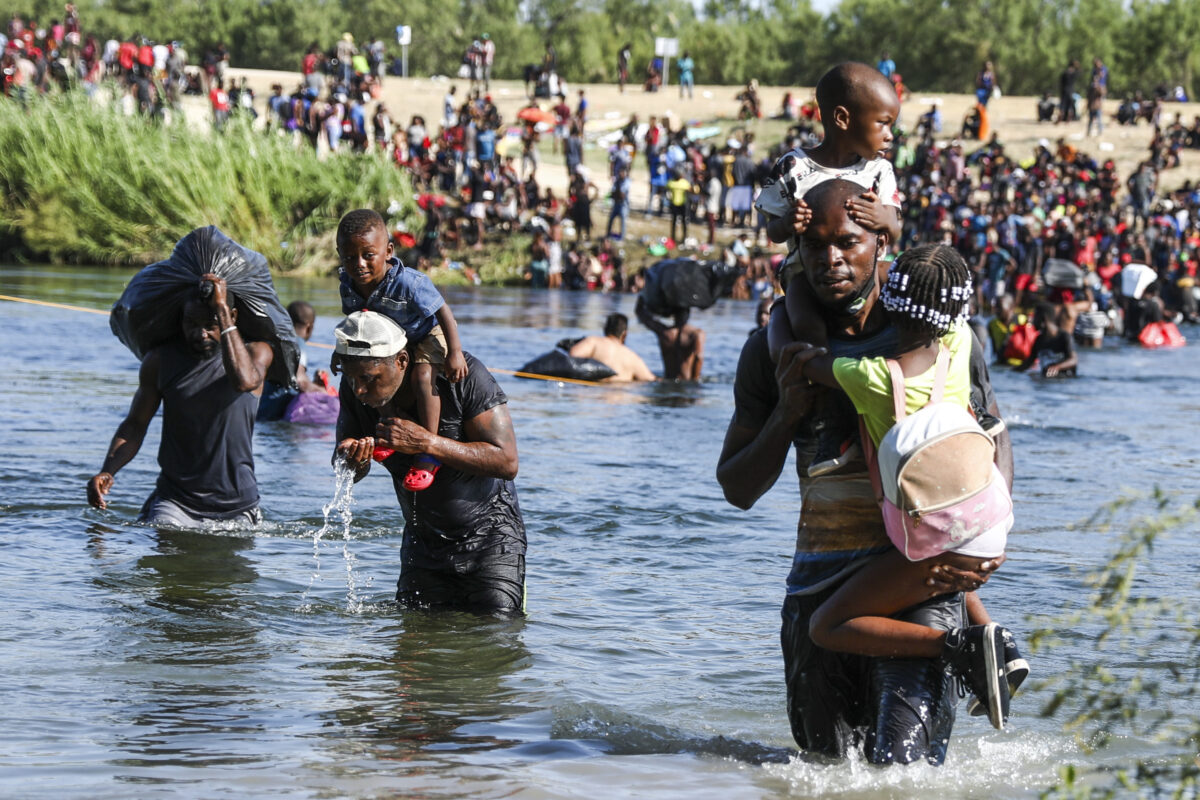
(558, 363)
(681, 283)
(1059, 273)
(151, 307)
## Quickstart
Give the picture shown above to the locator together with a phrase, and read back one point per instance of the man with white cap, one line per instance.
(464, 537)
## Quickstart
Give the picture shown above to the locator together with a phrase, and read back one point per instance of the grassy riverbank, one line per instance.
(84, 183)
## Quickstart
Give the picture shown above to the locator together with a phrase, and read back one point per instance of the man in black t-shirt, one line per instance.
(464, 536)
(207, 381)
(895, 710)
(1053, 349)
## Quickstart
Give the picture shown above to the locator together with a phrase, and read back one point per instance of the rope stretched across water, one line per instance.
(516, 374)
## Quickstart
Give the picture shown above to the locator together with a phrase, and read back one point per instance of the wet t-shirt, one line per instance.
(840, 523)
(1053, 349)
(459, 514)
(206, 453)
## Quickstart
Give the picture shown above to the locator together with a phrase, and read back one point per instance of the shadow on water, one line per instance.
(609, 731)
(424, 697)
(191, 650)
(188, 595)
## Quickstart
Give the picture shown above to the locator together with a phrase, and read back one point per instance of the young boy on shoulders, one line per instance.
(858, 109)
(372, 278)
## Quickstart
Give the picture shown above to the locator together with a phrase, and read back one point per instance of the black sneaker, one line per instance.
(1016, 670)
(975, 655)
(834, 451)
(992, 426)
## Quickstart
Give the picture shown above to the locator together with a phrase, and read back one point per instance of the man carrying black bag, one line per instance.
(208, 379)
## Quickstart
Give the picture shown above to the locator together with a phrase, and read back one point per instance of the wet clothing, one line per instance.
(901, 709)
(464, 536)
(161, 512)
(1048, 350)
(406, 296)
(206, 453)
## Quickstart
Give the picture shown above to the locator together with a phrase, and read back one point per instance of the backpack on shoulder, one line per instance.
(934, 474)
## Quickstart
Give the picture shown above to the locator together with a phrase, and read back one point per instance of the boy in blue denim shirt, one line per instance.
(372, 278)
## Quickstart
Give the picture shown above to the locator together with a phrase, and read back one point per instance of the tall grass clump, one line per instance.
(82, 182)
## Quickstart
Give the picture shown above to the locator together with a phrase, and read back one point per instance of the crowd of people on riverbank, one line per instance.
(478, 176)
(149, 76)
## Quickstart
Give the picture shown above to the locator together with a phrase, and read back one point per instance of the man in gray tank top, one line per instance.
(208, 381)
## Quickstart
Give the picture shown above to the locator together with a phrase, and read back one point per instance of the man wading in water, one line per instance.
(464, 536)
(681, 345)
(208, 383)
(899, 710)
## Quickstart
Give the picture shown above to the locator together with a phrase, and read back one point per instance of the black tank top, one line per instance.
(206, 452)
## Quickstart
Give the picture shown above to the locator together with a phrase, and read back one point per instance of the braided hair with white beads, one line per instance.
(928, 290)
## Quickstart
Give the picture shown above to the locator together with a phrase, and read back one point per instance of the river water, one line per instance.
(145, 663)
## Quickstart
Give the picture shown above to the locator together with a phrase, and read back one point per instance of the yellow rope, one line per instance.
(532, 375)
(53, 305)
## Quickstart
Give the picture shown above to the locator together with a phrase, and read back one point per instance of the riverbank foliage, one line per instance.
(1134, 657)
(84, 183)
(937, 45)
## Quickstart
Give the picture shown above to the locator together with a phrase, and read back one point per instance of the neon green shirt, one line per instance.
(869, 384)
(679, 189)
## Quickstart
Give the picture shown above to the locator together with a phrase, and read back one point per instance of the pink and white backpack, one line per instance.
(935, 474)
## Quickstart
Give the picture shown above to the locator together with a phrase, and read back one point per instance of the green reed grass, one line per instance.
(84, 183)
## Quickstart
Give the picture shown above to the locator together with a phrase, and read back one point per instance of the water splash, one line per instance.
(338, 514)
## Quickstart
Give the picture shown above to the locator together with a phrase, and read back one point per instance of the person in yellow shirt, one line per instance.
(677, 193)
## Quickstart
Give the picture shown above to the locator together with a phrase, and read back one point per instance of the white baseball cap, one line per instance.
(368, 334)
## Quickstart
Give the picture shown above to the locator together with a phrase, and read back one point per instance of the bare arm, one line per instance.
(1067, 363)
(819, 369)
(490, 449)
(780, 229)
(128, 439)
(752, 458)
(869, 211)
(456, 365)
(245, 363)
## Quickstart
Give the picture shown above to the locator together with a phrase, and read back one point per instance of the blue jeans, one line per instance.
(619, 211)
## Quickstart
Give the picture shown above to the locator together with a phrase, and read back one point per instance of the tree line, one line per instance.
(938, 45)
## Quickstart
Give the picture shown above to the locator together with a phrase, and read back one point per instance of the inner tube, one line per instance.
(558, 363)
